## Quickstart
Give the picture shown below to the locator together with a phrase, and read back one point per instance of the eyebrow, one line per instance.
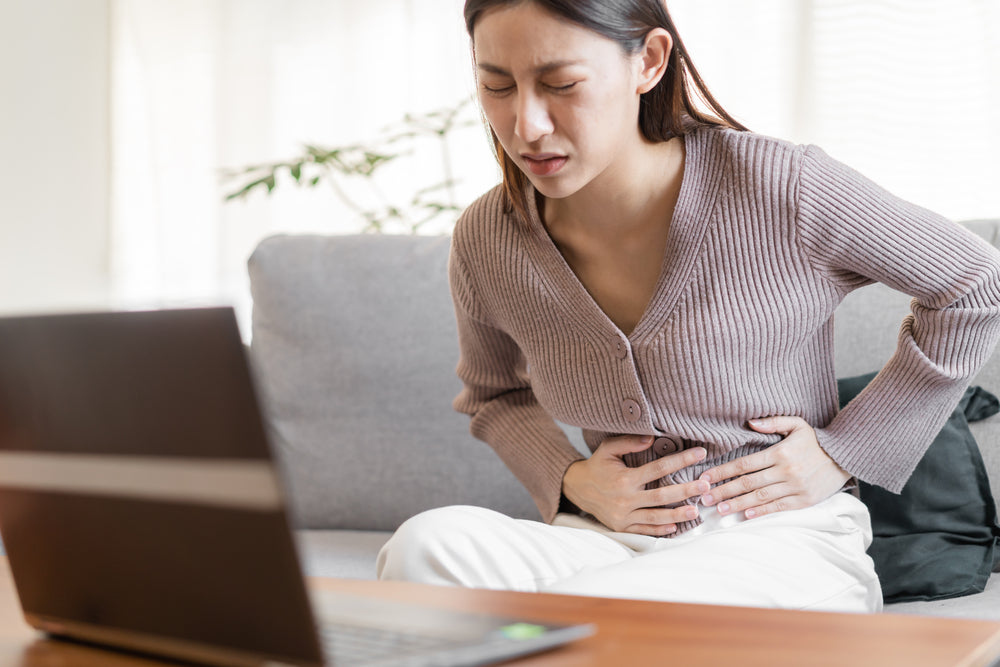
(541, 69)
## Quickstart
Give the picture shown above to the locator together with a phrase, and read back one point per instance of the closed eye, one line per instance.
(497, 92)
(565, 87)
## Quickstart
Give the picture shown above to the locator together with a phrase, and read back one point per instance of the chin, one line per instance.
(553, 188)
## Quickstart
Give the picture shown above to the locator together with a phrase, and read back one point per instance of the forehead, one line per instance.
(525, 35)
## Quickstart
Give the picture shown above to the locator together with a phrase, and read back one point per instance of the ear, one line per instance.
(652, 60)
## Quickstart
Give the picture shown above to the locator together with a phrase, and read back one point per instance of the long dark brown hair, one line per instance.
(670, 109)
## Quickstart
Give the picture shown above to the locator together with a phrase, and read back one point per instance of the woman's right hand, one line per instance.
(616, 495)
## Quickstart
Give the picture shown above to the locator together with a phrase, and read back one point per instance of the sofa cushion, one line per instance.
(348, 554)
(939, 538)
(985, 605)
(354, 345)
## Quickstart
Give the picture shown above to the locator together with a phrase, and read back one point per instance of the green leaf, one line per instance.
(252, 185)
(363, 160)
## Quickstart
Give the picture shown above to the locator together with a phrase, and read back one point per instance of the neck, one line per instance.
(622, 200)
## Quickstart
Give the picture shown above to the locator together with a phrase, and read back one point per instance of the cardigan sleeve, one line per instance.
(497, 395)
(854, 233)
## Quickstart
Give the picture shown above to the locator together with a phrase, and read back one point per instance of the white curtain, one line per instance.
(204, 86)
(906, 91)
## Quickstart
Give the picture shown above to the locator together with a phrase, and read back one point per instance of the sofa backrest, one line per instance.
(354, 346)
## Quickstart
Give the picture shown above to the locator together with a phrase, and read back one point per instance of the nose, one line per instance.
(533, 119)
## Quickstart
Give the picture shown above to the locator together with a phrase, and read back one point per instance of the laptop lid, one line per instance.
(138, 502)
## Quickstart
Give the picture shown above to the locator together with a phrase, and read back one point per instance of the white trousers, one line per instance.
(813, 558)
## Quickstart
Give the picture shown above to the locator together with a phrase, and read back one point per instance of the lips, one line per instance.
(544, 164)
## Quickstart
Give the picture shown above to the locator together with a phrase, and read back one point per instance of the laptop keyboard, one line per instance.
(354, 646)
(358, 631)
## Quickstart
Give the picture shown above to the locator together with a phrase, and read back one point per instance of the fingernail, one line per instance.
(691, 513)
(646, 439)
(707, 499)
(723, 508)
(700, 452)
(751, 514)
(758, 422)
(705, 477)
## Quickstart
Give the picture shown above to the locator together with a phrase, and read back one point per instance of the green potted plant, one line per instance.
(344, 168)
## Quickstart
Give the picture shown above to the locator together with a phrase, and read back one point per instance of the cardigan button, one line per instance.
(631, 410)
(666, 445)
(619, 348)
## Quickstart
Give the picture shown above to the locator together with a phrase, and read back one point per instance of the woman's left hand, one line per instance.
(792, 474)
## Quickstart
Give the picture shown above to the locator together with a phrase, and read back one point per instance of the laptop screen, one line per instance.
(138, 500)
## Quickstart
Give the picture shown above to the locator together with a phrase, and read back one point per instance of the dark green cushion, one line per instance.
(939, 538)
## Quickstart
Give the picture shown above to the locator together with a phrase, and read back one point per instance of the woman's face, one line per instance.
(563, 100)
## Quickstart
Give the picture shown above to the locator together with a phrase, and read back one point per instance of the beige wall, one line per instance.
(54, 154)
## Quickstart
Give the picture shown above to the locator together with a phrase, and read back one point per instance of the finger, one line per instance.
(783, 504)
(667, 465)
(675, 493)
(773, 494)
(653, 530)
(739, 486)
(744, 465)
(662, 516)
(783, 425)
(620, 445)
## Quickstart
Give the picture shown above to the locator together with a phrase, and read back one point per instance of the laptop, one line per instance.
(141, 507)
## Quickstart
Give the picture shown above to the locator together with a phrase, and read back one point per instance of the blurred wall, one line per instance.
(54, 154)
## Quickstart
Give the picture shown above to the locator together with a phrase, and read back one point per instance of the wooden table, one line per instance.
(628, 632)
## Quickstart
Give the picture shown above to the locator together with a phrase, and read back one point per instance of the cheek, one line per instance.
(586, 122)
(497, 115)
(612, 118)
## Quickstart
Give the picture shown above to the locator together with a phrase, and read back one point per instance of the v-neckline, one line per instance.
(684, 239)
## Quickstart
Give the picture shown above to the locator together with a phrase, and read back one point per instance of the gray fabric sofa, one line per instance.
(354, 349)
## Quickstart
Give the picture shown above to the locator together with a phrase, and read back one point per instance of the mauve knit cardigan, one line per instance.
(766, 240)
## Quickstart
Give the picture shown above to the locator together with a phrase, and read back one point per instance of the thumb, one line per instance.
(783, 425)
(624, 444)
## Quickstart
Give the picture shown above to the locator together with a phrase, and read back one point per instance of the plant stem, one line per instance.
(341, 194)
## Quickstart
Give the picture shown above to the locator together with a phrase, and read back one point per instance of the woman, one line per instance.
(666, 281)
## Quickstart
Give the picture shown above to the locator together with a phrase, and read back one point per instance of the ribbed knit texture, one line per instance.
(766, 240)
